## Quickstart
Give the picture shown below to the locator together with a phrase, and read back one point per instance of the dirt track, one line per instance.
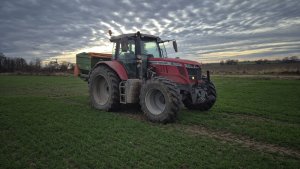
(228, 137)
(193, 130)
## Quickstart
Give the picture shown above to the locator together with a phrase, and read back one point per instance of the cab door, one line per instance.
(128, 59)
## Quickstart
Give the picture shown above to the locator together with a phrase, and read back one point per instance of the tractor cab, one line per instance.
(134, 50)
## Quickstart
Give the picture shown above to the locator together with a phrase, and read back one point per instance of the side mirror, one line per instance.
(124, 45)
(175, 46)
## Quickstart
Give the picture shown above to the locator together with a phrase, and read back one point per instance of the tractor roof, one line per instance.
(116, 38)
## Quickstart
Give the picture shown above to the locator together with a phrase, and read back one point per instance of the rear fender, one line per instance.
(115, 66)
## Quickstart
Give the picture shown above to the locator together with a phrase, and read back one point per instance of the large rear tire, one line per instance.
(210, 100)
(160, 100)
(104, 89)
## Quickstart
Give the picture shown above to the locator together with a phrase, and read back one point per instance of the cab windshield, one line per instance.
(150, 49)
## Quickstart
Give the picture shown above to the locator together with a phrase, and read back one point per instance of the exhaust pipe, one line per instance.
(208, 75)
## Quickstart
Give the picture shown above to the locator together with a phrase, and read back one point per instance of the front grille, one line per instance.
(194, 72)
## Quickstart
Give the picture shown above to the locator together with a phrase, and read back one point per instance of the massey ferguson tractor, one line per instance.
(139, 71)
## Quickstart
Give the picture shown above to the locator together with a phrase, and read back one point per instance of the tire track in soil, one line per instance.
(225, 137)
(257, 118)
(194, 130)
(241, 140)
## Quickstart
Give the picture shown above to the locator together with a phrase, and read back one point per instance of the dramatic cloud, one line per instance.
(206, 31)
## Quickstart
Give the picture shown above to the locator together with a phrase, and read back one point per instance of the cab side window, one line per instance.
(130, 53)
(150, 49)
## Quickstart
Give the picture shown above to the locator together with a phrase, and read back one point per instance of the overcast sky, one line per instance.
(206, 30)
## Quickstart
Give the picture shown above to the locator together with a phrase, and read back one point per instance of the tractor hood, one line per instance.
(173, 60)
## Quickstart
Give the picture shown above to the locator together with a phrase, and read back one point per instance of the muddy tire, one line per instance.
(160, 100)
(208, 103)
(104, 89)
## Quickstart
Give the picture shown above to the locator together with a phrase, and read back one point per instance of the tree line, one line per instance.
(292, 59)
(18, 64)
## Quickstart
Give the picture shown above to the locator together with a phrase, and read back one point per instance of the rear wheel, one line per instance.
(159, 100)
(103, 89)
(210, 99)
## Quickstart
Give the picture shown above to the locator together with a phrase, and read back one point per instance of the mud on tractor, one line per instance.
(139, 71)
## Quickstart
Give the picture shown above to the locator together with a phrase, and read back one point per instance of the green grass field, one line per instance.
(46, 122)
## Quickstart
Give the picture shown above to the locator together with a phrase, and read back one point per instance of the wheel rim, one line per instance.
(155, 101)
(101, 90)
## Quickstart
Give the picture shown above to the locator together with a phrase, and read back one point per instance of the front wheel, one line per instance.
(160, 100)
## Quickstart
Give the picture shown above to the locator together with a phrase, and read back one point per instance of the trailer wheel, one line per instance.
(103, 89)
(208, 103)
(160, 100)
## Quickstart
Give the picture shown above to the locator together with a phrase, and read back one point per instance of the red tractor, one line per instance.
(139, 71)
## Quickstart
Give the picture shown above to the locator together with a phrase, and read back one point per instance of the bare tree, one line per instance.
(232, 62)
(37, 64)
(222, 62)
